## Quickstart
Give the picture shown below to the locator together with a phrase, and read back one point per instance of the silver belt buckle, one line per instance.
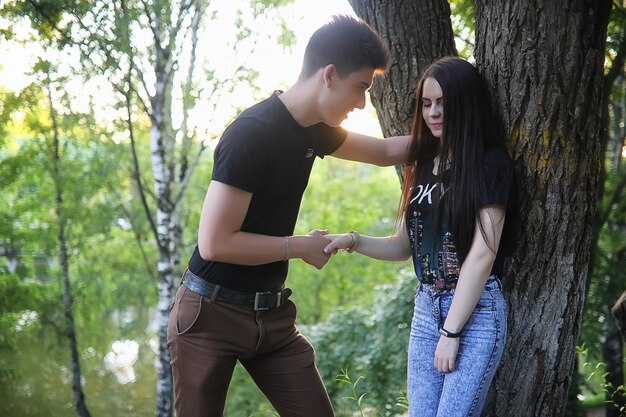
(256, 300)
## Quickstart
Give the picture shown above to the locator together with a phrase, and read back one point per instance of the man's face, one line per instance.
(344, 95)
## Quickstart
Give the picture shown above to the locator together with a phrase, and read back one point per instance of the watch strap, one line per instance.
(447, 333)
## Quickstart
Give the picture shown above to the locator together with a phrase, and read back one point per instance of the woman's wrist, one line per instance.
(355, 241)
(446, 333)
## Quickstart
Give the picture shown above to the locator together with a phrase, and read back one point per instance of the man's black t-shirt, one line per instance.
(266, 152)
(434, 253)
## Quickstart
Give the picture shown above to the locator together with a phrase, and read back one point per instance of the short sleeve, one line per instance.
(240, 158)
(327, 138)
(498, 175)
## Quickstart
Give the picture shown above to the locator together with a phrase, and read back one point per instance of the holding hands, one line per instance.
(321, 246)
(313, 250)
(346, 241)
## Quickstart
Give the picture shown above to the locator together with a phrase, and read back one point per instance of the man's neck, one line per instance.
(301, 101)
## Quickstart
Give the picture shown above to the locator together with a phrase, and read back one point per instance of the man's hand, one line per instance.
(313, 248)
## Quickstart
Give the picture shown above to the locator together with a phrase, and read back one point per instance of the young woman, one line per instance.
(451, 222)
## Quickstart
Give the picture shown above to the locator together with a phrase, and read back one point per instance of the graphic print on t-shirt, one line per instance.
(435, 257)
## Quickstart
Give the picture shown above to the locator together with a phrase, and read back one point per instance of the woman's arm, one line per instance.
(389, 248)
(473, 276)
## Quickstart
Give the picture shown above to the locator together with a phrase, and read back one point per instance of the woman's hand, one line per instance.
(445, 354)
(341, 241)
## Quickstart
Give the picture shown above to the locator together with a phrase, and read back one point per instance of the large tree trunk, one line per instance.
(544, 60)
(417, 34)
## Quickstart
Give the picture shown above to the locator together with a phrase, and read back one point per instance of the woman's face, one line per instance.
(432, 106)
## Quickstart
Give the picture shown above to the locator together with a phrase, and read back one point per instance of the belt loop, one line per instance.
(215, 291)
(498, 282)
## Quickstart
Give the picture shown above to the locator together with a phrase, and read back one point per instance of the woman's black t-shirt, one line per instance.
(434, 253)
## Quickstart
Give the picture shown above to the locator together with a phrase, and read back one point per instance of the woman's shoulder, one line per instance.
(497, 165)
(495, 155)
(497, 160)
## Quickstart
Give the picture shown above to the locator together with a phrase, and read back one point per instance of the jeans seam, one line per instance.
(490, 364)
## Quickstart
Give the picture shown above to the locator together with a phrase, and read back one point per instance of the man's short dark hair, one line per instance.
(349, 44)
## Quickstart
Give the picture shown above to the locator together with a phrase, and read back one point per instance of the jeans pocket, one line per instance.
(190, 306)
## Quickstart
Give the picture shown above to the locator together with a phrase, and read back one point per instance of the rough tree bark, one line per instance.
(544, 61)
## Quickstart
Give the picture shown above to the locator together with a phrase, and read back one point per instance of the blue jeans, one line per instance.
(461, 392)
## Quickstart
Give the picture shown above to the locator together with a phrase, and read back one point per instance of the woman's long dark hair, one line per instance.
(470, 127)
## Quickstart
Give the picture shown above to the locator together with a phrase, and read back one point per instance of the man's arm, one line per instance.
(382, 152)
(220, 237)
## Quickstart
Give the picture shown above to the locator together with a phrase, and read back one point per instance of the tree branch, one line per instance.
(185, 180)
(136, 170)
(147, 263)
(619, 314)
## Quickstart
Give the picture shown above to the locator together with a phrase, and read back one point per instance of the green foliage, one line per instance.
(23, 304)
(401, 404)
(344, 377)
(615, 31)
(462, 15)
(370, 340)
(266, 8)
(596, 381)
(10, 104)
(112, 292)
(244, 398)
(47, 17)
(607, 282)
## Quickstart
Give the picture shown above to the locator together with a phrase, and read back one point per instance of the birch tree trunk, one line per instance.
(544, 61)
(168, 186)
(77, 390)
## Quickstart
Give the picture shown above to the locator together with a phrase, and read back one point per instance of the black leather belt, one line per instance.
(258, 301)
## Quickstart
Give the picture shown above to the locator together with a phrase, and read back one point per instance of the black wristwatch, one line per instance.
(446, 333)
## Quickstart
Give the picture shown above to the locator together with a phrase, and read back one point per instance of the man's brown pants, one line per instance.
(206, 338)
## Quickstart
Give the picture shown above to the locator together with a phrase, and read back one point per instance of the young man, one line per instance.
(233, 304)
